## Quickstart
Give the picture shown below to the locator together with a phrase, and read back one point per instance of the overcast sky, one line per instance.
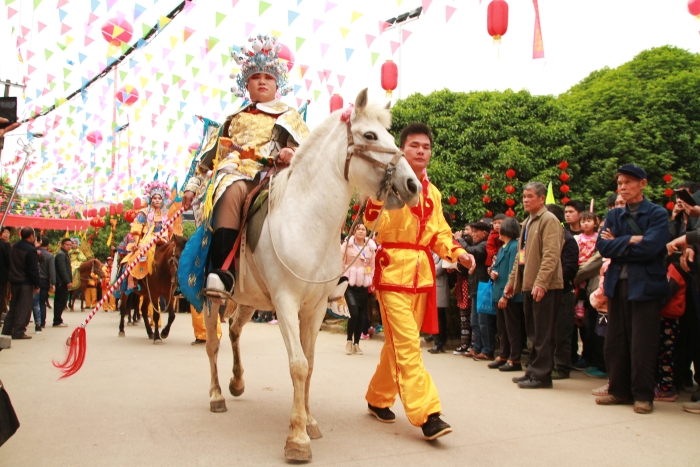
(579, 37)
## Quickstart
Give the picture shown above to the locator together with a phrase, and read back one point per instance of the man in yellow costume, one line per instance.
(404, 281)
(77, 257)
(263, 132)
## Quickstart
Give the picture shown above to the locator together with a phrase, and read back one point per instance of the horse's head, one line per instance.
(376, 156)
(178, 244)
(97, 268)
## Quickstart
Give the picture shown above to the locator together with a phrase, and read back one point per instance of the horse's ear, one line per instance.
(388, 106)
(361, 101)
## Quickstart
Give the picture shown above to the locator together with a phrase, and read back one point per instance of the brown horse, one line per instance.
(158, 288)
(84, 270)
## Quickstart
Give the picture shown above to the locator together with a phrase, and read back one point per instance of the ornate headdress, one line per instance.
(75, 240)
(157, 188)
(263, 58)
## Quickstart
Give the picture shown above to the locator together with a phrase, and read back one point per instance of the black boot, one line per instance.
(221, 245)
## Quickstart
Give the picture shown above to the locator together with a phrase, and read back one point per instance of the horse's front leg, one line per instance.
(309, 325)
(144, 313)
(156, 324)
(171, 318)
(217, 403)
(298, 446)
(123, 310)
(241, 316)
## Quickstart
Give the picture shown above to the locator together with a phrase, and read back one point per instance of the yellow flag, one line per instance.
(550, 195)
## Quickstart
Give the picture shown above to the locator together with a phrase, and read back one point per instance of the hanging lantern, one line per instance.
(564, 189)
(137, 203)
(103, 211)
(355, 207)
(453, 216)
(489, 213)
(117, 31)
(286, 55)
(510, 173)
(112, 210)
(668, 178)
(130, 215)
(486, 199)
(668, 192)
(510, 189)
(564, 177)
(127, 95)
(565, 200)
(452, 201)
(354, 216)
(120, 209)
(336, 102)
(670, 205)
(390, 77)
(497, 20)
(487, 177)
(85, 213)
(563, 165)
(485, 186)
(510, 202)
(694, 8)
(95, 137)
(510, 212)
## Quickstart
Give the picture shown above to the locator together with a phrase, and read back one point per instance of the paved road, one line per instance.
(137, 404)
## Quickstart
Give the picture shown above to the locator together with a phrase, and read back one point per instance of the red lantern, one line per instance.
(510, 212)
(510, 173)
(92, 212)
(510, 202)
(103, 211)
(485, 186)
(102, 222)
(564, 189)
(117, 30)
(668, 192)
(489, 213)
(355, 207)
(668, 178)
(390, 77)
(487, 177)
(120, 208)
(137, 203)
(564, 177)
(670, 205)
(565, 200)
(510, 189)
(127, 95)
(85, 213)
(563, 165)
(453, 216)
(486, 199)
(93, 222)
(91, 237)
(694, 7)
(286, 54)
(130, 215)
(112, 210)
(95, 137)
(72, 215)
(497, 20)
(336, 102)
(452, 201)
(354, 216)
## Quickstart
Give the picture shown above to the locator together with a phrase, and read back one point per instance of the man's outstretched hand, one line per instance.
(13, 126)
(187, 199)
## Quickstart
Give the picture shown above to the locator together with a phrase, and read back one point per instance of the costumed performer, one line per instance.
(77, 257)
(269, 132)
(407, 294)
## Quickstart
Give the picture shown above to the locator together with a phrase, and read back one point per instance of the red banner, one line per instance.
(15, 220)
(537, 44)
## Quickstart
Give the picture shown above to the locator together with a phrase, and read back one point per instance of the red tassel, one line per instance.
(77, 347)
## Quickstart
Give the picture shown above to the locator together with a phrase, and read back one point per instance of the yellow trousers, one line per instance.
(400, 370)
(200, 330)
(90, 297)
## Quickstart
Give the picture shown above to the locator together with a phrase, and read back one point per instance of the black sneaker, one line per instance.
(37, 329)
(434, 427)
(383, 415)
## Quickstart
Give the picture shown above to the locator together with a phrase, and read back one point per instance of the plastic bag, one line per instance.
(484, 298)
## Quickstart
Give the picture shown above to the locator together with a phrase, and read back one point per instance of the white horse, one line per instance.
(310, 199)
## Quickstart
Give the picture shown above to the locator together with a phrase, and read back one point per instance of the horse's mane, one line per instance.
(373, 110)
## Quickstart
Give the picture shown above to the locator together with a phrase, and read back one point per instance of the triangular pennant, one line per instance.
(375, 56)
(426, 5)
(186, 33)
(329, 6)
(138, 10)
(348, 53)
(370, 39)
(219, 18)
(324, 49)
(449, 11)
(405, 34)
(291, 16)
(300, 42)
(394, 46)
(317, 24)
(355, 16)
(262, 7)
(344, 32)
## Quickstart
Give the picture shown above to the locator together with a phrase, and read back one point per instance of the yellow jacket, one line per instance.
(403, 262)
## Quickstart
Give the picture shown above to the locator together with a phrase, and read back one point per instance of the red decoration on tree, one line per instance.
(130, 215)
(510, 173)
(336, 103)
(694, 7)
(453, 216)
(487, 177)
(670, 205)
(486, 199)
(668, 192)
(354, 216)
(668, 178)
(510, 202)
(489, 213)
(564, 189)
(563, 165)
(564, 177)
(497, 20)
(85, 213)
(452, 201)
(112, 210)
(390, 77)
(120, 209)
(510, 212)
(485, 186)
(510, 189)
(355, 207)
(565, 200)
(137, 203)
(103, 211)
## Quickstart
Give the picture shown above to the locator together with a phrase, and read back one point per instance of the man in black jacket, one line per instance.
(483, 325)
(564, 325)
(63, 280)
(4, 269)
(24, 277)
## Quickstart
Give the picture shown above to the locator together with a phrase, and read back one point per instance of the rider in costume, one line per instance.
(407, 294)
(268, 131)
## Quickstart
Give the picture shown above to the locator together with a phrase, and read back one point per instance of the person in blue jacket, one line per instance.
(635, 240)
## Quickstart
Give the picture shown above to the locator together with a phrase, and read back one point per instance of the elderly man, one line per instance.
(635, 284)
(537, 273)
(268, 130)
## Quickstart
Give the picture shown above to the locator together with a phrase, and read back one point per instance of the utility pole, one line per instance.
(398, 22)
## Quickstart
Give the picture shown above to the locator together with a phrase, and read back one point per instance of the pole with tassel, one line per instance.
(77, 342)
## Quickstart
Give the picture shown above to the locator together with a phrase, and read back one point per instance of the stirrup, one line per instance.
(216, 289)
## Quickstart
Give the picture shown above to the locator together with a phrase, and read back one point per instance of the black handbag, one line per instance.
(8, 418)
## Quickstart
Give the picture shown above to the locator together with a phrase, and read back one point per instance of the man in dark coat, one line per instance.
(63, 279)
(5, 248)
(24, 277)
(635, 240)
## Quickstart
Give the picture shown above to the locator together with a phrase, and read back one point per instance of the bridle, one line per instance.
(92, 270)
(362, 151)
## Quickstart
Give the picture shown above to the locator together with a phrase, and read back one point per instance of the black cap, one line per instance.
(633, 171)
(480, 225)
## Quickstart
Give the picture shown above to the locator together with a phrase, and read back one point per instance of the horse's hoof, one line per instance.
(313, 431)
(296, 451)
(164, 334)
(150, 336)
(129, 323)
(157, 341)
(121, 334)
(235, 392)
(217, 406)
